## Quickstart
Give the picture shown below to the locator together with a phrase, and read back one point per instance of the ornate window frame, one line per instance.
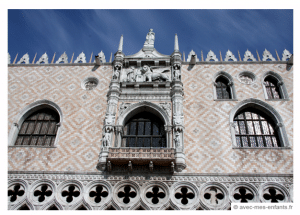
(230, 83)
(25, 112)
(140, 107)
(267, 109)
(282, 89)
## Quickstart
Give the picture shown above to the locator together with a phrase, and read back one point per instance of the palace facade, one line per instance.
(150, 131)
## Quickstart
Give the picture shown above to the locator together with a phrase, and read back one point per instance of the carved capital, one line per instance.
(278, 125)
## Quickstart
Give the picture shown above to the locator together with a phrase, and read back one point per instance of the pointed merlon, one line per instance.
(91, 58)
(221, 59)
(120, 49)
(110, 59)
(257, 55)
(240, 59)
(202, 59)
(15, 58)
(277, 55)
(53, 57)
(72, 58)
(34, 58)
(176, 46)
(183, 55)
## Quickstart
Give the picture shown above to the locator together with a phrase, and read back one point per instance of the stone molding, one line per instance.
(141, 183)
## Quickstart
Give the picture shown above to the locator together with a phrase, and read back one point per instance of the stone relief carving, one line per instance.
(267, 55)
(146, 74)
(192, 53)
(123, 107)
(286, 55)
(81, 58)
(63, 58)
(109, 119)
(249, 56)
(43, 59)
(167, 107)
(229, 56)
(211, 56)
(24, 59)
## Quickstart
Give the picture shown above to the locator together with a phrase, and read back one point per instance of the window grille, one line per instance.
(144, 130)
(223, 88)
(272, 88)
(254, 129)
(39, 129)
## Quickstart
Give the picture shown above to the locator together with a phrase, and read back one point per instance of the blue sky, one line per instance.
(40, 31)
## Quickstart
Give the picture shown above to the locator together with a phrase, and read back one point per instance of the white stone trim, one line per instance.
(283, 91)
(247, 185)
(35, 185)
(277, 186)
(267, 109)
(102, 204)
(251, 74)
(161, 202)
(226, 201)
(76, 202)
(188, 185)
(26, 111)
(131, 204)
(19, 202)
(230, 82)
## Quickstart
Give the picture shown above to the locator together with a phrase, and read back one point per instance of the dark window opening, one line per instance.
(144, 130)
(271, 85)
(39, 129)
(223, 88)
(254, 128)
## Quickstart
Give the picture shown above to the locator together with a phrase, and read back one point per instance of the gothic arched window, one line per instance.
(272, 87)
(253, 128)
(39, 128)
(144, 130)
(223, 88)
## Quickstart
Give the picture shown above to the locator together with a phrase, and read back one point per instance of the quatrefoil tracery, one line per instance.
(185, 195)
(100, 192)
(71, 193)
(244, 195)
(42, 193)
(15, 192)
(274, 195)
(155, 195)
(126, 194)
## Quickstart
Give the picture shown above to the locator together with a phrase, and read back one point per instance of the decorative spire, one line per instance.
(176, 46)
(121, 44)
(110, 57)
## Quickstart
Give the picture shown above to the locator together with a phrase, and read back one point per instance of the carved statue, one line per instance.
(177, 140)
(106, 139)
(150, 38)
(157, 75)
(177, 73)
(116, 75)
(131, 74)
